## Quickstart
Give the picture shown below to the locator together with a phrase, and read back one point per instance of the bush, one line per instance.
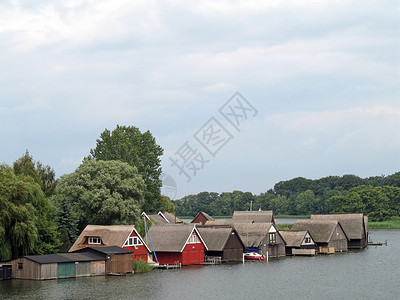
(140, 266)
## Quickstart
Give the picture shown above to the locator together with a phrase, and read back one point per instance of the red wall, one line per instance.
(140, 252)
(192, 254)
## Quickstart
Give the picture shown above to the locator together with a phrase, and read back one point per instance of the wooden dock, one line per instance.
(167, 266)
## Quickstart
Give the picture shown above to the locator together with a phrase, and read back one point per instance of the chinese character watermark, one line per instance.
(212, 136)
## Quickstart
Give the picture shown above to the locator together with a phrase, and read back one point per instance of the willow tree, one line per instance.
(103, 193)
(140, 150)
(26, 225)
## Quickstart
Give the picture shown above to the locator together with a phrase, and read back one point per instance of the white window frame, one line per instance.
(94, 240)
(194, 239)
(133, 241)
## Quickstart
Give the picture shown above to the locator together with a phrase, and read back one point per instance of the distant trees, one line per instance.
(300, 196)
(103, 193)
(139, 150)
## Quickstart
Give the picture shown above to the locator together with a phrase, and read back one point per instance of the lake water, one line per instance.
(367, 274)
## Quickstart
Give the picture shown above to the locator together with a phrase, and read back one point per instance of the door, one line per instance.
(65, 270)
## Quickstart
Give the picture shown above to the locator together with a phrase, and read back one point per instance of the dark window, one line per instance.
(20, 266)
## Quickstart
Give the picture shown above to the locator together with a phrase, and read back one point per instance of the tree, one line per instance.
(140, 150)
(43, 175)
(26, 217)
(103, 193)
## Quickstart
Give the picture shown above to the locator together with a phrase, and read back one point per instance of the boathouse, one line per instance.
(118, 260)
(354, 225)
(328, 235)
(223, 242)
(263, 216)
(177, 244)
(124, 236)
(202, 218)
(298, 243)
(263, 236)
(61, 265)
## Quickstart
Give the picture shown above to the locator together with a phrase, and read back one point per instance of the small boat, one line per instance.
(253, 256)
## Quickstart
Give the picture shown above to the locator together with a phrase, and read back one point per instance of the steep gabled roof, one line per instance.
(293, 238)
(252, 234)
(352, 224)
(217, 237)
(265, 216)
(205, 215)
(171, 238)
(321, 231)
(111, 235)
(171, 217)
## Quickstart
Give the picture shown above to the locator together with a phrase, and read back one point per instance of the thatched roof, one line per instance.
(265, 216)
(171, 217)
(321, 231)
(111, 235)
(171, 237)
(160, 218)
(352, 224)
(293, 238)
(252, 234)
(217, 223)
(216, 237)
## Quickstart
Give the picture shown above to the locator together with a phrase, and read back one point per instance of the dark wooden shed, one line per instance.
(202, 218)
(354, 225)
(298, 243)
(118, 260)
(328, 235)
(263, 236)
(53, 266)
(223, 242)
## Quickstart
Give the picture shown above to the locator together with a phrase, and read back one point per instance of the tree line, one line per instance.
(119, 179)
(377, 196)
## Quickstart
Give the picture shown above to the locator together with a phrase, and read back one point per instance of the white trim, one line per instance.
(198, 235)
(145, 215)
(162, 215)
(138, 235)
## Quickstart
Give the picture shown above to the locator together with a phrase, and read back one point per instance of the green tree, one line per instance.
(43, 175)
(26, 217)
(103, 193)
(140, 150)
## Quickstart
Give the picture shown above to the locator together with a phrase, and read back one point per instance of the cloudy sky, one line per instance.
(318, 85)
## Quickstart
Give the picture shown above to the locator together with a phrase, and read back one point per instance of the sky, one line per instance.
(239, 94)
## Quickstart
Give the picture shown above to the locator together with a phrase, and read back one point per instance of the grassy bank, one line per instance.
(140, 266)
(283, 227)
(393, 223)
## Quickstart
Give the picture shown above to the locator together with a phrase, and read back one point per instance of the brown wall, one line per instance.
(122, 263)
(233, 250)
(338, 240)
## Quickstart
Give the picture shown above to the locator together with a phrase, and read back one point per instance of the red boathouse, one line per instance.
(124, 236)
(177, 244)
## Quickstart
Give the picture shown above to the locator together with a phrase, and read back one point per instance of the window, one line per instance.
(307, 240)
(193, 239)
(20, 266)
(133, 241)
(272, 238)
(94, 240)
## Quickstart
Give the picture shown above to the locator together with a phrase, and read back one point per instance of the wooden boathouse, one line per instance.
(298, 243)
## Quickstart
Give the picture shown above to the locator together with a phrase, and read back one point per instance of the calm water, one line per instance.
(371, 273)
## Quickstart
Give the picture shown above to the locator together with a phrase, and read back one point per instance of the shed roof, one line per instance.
(252, 234)
(293, 238)
(171, 238)
(107, 250)
(217, 237)
(321, 231)
(65, 257)
(264, 216)
(111, 235)
(352, 224)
